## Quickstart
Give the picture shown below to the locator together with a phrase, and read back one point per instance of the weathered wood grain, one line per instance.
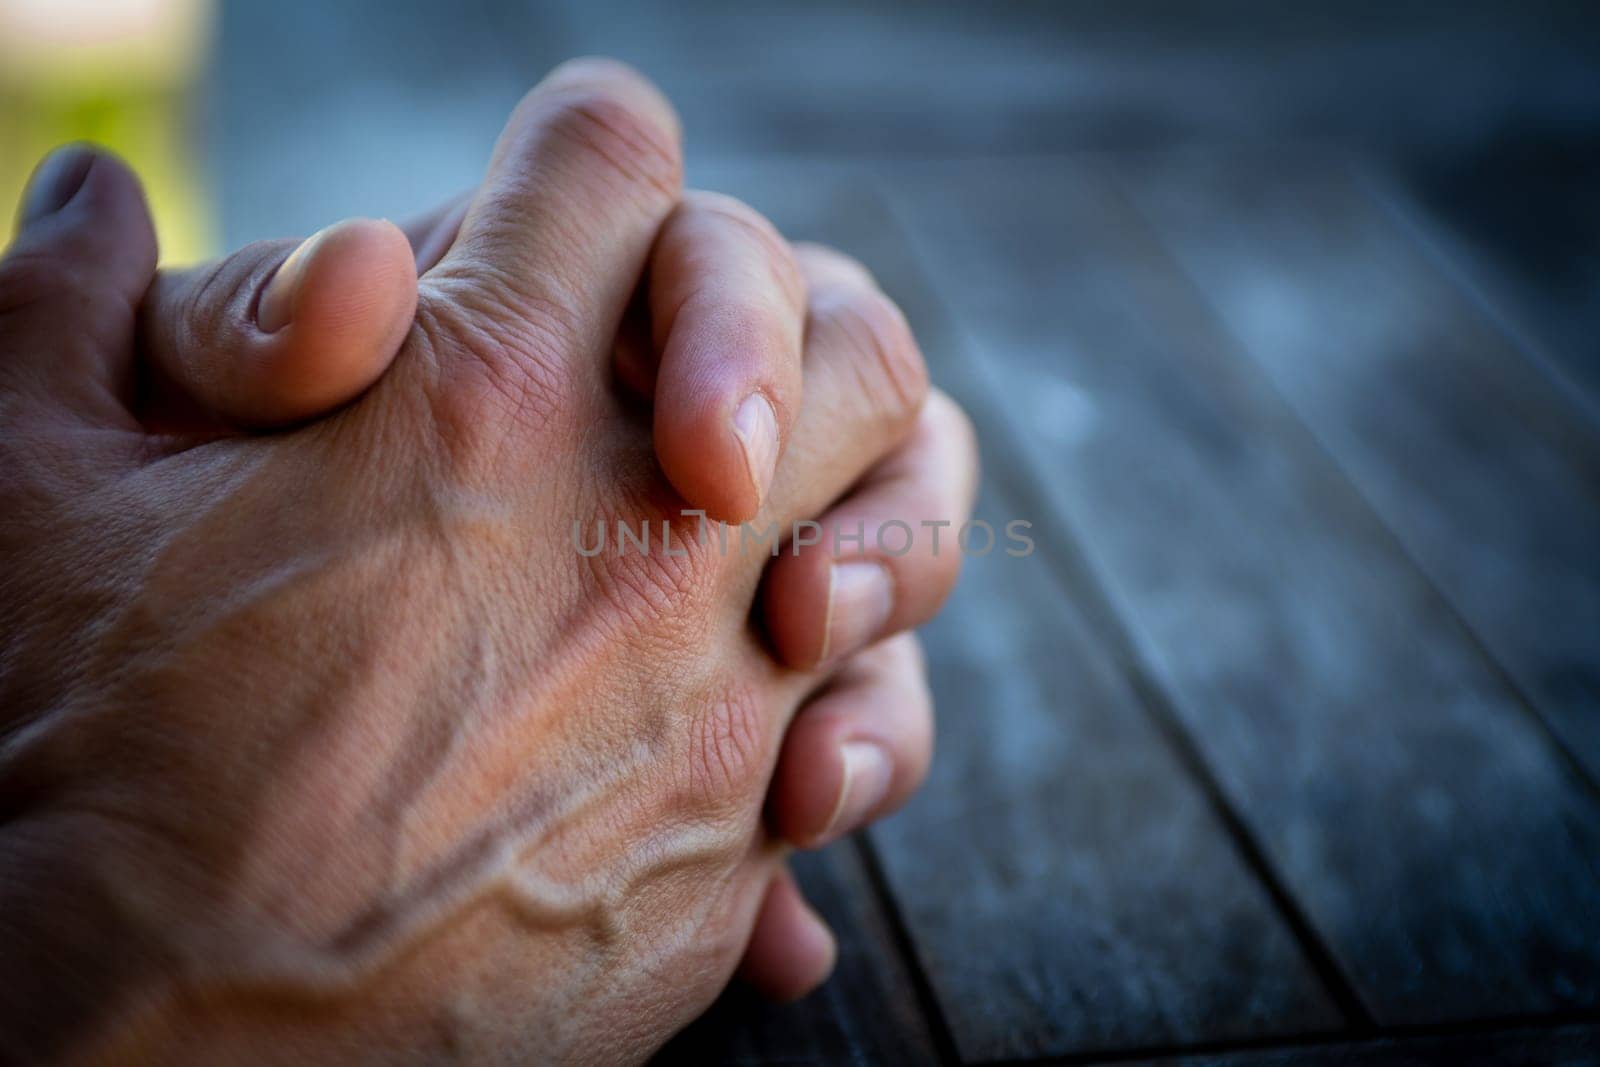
(1068, 886)
(1438, 841)
(1065, 904)
(318, 110)
(1485, 471)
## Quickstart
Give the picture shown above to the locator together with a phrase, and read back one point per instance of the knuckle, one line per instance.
(654, 572)
(907, 647)
(885, 353)
(903, 666)
(727, 744)
(199, 321)
(599, 70)
(493, 375)
(610, 125)
(945, 570)
(945, 434)
(756, 230)
(651, 596)
(899, 656)
(825, 262)
(945, 416)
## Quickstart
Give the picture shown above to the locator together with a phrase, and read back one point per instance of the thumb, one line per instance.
(278, 332)
(83, 255)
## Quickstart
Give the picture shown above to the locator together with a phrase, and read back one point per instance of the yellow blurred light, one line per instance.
(120, 73)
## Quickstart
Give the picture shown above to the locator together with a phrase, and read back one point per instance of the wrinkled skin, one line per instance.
(328, 744)
(446, 747)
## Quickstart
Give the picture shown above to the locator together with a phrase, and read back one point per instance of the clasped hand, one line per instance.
(320, 740)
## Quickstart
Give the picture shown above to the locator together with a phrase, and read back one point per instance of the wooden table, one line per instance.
(1284, 743)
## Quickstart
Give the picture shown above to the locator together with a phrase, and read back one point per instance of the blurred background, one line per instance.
(1281, 324)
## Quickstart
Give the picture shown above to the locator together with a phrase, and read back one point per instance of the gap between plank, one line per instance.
(939, 1031)
(1520, 698)
(1077, 573)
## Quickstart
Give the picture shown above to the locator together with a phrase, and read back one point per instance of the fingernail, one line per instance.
(867, 771)
(860, 598)
(56, 181)
(756, 427)
(276, 306)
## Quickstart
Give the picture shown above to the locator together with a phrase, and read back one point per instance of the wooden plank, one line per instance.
(322, 110)
(1484, 469)
(867, 1013)
(1068, 886)
(1571, 1046)
(1440, 844)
